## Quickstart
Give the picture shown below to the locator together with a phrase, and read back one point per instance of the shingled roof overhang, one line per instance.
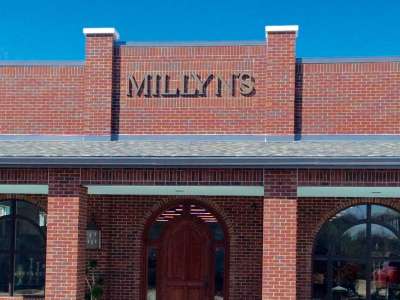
(158, 154)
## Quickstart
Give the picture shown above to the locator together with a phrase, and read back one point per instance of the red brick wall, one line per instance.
(271, 239)
(66, 236)
(269, 111)
(280, 83)
(194, 115)
(348, 98)
(122, 220)
(279, 235)
(98, 84)
(331, 98)
(41, 99)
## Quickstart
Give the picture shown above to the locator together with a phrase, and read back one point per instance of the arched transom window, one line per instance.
(357, 255)
(22, 248)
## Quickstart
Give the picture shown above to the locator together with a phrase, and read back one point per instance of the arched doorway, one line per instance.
(186, 255)
(357, 255)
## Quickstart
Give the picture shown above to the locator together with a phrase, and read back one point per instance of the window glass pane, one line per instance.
(385, 280)
(156, 230)
(29, 274)
(28, 210)
(151, 274)
(353, 242)
(334, 228)
(349, 280)
(353, 214)
(216, 230)
(219, 273)
(384, 242)
(4, 274)
(319, 279)
(42, 219)
(5, 233)
(386, 216)
(28, 237)
(5, 208)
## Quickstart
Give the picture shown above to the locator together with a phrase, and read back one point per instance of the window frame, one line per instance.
(368, 259)
(12, 252)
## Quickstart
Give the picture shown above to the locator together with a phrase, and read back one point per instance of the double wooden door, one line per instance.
(186, 270)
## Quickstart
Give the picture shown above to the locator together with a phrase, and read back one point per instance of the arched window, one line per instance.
(22, 248)
(357, 255)
(169, 226)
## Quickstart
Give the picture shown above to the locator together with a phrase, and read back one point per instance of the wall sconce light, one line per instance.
(93, 236)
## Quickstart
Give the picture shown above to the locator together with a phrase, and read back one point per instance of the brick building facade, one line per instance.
(212, 171)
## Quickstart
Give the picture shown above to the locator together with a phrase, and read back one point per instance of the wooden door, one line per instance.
(186, 261)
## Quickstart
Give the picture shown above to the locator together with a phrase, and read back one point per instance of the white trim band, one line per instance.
(31, 189)
(349, 191)
(285, 28)
(176, 190)
(105, 30)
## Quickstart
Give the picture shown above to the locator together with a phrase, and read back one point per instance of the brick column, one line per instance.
(99, 81)
(66, 234)
(279, 235)
(280, 77)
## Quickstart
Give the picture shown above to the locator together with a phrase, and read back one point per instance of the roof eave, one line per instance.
(209, 162)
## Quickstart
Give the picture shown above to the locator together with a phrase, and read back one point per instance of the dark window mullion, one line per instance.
(12, 249)
(329, 270)
(368, 268)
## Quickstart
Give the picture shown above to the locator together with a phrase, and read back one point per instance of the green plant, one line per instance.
(94, 281)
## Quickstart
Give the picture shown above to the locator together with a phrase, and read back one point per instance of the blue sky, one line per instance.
(52, 30)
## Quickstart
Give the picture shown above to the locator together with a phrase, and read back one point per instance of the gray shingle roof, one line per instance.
(199, 149)
(160, 152)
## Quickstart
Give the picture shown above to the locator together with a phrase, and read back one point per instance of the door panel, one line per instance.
(175, 252)
(196, 294)
(175, 294)
(186, 260)
(196, 257)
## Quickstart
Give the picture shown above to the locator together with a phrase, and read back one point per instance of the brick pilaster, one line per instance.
(66, 232)
(280, 76)
(99, 81)
(279, 236)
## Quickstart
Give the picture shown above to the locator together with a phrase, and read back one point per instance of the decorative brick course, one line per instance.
(349, 177)
(173, 176)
